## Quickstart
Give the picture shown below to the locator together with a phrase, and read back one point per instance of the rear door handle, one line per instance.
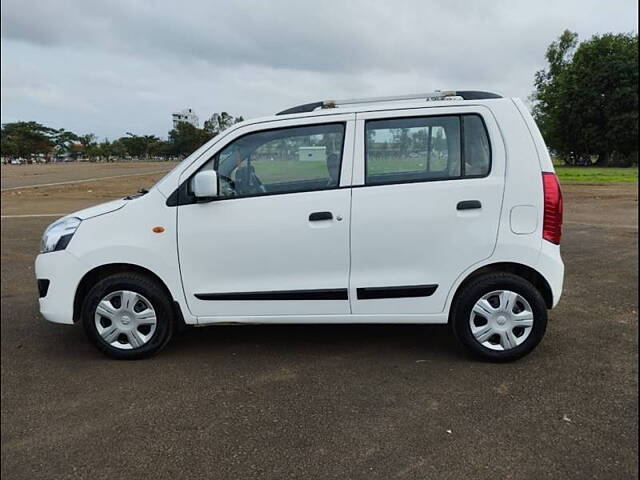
(469, 205)
(317, 216)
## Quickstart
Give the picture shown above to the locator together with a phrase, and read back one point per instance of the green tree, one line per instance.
(185, 138)
(63, 139)
(159, 148)
(219, 122)
(140, 146)
(105, 149)
(89, 144)
(117, 149)
(586, 100)
(22, 139)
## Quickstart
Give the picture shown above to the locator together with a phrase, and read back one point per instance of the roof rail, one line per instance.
(429, 97)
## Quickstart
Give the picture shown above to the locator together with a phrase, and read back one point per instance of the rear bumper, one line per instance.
(63, 272)
(551, 267)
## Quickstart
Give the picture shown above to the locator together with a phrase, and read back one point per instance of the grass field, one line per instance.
(597, 175)
(289, 170)
(294, 170)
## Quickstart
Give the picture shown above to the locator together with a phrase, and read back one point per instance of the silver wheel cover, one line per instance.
(501, 320)
(125, 319)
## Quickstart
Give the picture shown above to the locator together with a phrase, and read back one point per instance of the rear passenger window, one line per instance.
(426, 148)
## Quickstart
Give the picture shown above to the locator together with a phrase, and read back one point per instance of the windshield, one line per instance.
(196, 153)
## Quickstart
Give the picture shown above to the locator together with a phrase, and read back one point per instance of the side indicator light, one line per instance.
(157, 229)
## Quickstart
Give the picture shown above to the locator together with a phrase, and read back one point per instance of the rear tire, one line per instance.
(128, 316)
(499, 317)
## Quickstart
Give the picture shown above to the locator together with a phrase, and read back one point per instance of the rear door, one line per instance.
(426, 203)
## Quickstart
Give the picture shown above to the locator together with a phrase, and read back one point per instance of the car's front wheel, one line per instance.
(499, 317)
(128, 316)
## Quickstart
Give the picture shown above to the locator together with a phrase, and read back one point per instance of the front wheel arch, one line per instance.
(95, 275)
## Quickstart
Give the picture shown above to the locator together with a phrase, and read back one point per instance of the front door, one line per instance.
(276, 241)
(426, 205)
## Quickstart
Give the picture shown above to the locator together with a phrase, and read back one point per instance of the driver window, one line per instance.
(282, 160)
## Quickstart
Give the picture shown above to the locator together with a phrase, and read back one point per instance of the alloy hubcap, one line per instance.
(501, 320)
(125, 319)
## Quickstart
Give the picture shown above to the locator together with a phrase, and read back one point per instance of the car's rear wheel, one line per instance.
(128, 316)
(499, 317)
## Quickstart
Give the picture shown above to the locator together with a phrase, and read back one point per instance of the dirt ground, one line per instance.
(63, 199)
(329, 401)
(613, 205)
(14, 176)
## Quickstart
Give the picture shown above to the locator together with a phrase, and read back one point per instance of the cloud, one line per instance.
(136, 61)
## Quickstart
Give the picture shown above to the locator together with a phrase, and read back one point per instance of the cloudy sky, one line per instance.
(112, 66)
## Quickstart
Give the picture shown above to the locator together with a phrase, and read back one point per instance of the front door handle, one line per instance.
(469, 205)
(317, 216)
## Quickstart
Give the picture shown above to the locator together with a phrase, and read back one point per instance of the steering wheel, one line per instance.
(227, 187)
(258, 183)
(247, 182)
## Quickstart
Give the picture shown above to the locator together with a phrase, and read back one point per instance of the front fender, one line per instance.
(127, 236)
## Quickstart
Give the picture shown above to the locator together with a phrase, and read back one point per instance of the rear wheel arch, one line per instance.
(95, 275)
(531, 275)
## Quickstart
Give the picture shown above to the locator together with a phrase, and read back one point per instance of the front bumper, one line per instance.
(64, 272)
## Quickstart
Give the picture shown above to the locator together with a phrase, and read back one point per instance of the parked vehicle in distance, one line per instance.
(421, 209)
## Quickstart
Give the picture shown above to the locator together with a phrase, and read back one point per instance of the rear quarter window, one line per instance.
(477, 149)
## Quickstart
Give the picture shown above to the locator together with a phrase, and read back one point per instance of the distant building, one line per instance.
(187, 115)
(312, 154)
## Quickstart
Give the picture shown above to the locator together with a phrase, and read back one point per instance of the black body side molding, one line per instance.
(370, 293)
(325, 294)
(367, 293)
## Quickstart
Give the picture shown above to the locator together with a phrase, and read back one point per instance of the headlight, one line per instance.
(58, 234)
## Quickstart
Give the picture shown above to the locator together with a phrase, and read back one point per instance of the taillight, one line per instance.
(552, 224)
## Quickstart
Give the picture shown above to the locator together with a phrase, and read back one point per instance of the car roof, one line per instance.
(373, 107)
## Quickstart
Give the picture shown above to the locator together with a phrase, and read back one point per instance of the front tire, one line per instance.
(128, 316)
(499, 317)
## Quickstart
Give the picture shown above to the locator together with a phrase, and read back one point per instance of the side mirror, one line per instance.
(205, 184)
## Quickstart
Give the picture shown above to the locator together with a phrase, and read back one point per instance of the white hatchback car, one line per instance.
(424, 209)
